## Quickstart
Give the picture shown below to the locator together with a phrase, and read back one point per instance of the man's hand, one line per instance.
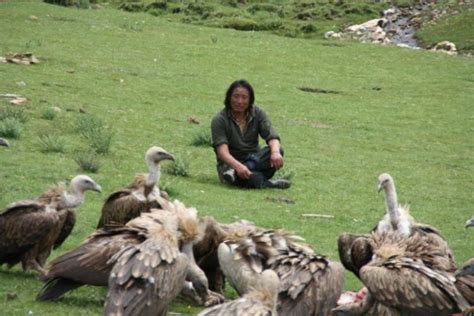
(243, 172)
(276, 160)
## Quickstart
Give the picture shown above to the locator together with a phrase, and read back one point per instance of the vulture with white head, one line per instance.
(90, 263)
(355, 250)
(310, 284)
(408, 277)
(146, 277)
(260, 300)
(138, 197)
(4, 142)
(31, 228)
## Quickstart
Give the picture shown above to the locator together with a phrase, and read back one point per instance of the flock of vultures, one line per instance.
(148, 249)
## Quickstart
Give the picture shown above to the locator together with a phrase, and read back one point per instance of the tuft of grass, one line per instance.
(49, 114)
(202, 138)
(16, 113)
(52, 143)
(284, 173)
(88, 161)
(92, 128)
(10, 128)
(179, 167)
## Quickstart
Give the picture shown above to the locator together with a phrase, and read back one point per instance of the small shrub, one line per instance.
(48, 114)
(241, 24)
(202, 138)
(92, 129)
(88, 161)
(13, 112)
(10, 128)
(178, 168)
(51, 143)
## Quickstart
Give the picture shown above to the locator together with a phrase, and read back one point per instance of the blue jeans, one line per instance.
(259, 164)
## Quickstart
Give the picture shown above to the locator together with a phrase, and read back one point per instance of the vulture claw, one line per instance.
(214, 298)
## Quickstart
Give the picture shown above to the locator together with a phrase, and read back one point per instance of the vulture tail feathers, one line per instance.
(55, 288)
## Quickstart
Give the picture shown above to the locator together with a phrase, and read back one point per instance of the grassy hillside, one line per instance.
(392, 110)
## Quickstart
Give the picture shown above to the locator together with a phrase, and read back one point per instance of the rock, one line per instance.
(446, 47)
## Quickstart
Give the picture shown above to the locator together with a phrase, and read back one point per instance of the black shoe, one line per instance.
(229, 176)
(278, 184)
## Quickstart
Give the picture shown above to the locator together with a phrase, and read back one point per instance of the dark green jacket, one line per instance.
(226, 131)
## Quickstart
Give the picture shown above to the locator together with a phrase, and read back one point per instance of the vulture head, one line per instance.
(4, 142)
(78, 186)
(385, 182)
(469, 222)
(156, 154)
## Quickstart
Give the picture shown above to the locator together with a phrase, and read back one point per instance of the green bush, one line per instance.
(92, 129)
(52, 143)
(10, 128)
(202, 138)
(48, 114)
(178, 168)
(88, 161)
(13, 112)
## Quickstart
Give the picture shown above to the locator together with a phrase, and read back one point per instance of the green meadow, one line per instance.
(346, 112)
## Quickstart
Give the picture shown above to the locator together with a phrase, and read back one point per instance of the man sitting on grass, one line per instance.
(235, 132)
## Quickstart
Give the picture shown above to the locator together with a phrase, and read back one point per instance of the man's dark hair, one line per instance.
(236, 84)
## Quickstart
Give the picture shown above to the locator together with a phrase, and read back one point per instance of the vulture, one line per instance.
(355, 250)
(397, 217)
(4, 142)
(146, 277)
(91, 262)
(31, 228)
(205, 250)
(469, 222)
(260, 300)
(310, 284)
(465, 277)
(407, 277)
(140, 196)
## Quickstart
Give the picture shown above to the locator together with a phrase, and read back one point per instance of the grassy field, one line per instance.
(406, 112)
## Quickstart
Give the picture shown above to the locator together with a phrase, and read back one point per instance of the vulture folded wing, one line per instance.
(68, 218)
(23, 224)
(465, 280)
(310, 284)
(239, 307)
(411, 287)
(86, 264)
(122, 206)
(145, 278)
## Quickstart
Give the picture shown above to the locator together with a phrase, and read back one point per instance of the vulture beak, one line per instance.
(469, 223)
(97, 188)
(379, 187)
(166, 156)
(4, 142)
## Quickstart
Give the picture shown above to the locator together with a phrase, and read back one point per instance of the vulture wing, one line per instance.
(310, 284)
(145, 278)
(123, 206)
(68, 218)
(412, 288)
(23, 224)
(465, 280)
(240, 307)
(88, 263)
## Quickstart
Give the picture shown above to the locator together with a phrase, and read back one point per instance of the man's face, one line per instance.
(239, 100)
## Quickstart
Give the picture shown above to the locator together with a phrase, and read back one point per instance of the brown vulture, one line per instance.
(31, 228)
(205, 250)
(90, 263)
(260, 300)
(4, 142)
(310, 283)
(140, 196)
(408, 276)
(146, 277)
(355, 250)
(465, 278)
